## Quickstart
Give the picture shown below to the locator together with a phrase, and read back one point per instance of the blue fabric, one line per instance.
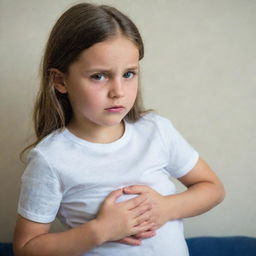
(222, 246)
(6, 249)
(198, 246)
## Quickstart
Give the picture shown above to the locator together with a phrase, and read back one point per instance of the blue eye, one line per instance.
(129, 72)
(98, 76)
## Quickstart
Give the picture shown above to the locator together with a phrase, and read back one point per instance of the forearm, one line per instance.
(72, 242)
(197, 199)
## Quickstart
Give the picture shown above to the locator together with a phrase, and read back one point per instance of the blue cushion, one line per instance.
(198, 246)
(222, 246)
(6, 249)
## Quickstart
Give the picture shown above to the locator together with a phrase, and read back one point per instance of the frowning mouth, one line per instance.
(115, 109)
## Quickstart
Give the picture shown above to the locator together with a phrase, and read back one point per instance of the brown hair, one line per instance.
(78, 28)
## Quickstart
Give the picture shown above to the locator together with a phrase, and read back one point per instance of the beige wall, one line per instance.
(198, 70)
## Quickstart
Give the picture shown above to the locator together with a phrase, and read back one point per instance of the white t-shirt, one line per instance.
(69, 177)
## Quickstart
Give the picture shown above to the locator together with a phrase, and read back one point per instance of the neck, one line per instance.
(97, 134)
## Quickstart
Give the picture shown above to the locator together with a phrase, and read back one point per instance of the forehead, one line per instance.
(118, 51)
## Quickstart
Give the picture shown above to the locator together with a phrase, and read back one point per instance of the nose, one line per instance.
(116, 89)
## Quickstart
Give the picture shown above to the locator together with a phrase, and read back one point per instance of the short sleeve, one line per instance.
(182, 157)
(40, 193)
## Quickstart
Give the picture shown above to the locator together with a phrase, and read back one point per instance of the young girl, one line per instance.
(101, 163)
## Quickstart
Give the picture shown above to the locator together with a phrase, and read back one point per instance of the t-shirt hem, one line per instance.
(188, 167)
(34, 217)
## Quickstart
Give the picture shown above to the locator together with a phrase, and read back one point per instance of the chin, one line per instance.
(109, 121)
(113, 122)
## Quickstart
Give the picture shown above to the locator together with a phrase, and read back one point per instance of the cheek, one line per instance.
(132, 92)
(79, 100)
(92, 100)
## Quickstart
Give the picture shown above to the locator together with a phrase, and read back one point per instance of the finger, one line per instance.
(136, 189)
(146, 217)
(141, 209)
(146, 234)
(154, 227)
(142, 228)
(112, 197)
(130, 240)
(134, 202)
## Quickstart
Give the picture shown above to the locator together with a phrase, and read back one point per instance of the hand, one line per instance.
(119, 220)
(136, 239)
(159, 213)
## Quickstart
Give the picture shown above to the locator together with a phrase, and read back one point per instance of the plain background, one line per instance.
(198, 71)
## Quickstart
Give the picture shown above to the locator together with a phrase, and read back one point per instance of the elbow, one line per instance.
(221, 193)
(18, 250)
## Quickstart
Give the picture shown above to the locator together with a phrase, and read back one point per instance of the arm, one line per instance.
(32, 238)
(114, 221)
(204, 191)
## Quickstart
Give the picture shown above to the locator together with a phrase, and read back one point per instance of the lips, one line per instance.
(116, 107)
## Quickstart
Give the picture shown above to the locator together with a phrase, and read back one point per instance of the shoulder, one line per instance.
(149, 118)
(46, 150)
(51, 139)
(155, 118)
(162, 126)
(155, 121)
(40, 160)
(153, 125)
(51, 144)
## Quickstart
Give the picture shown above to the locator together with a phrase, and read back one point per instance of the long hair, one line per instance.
(77, 29)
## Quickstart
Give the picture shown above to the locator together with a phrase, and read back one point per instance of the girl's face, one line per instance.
(102, 85)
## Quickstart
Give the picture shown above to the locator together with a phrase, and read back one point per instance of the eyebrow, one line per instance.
(109, 70)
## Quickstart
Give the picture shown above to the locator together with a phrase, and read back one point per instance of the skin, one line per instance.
(90, 93)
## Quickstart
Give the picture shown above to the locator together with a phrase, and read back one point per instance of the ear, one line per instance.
(58, 79)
